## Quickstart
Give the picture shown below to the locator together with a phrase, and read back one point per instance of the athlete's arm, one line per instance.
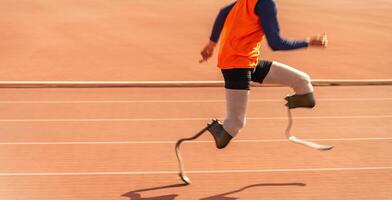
(266, 10)
(216, 31)
(220, 21)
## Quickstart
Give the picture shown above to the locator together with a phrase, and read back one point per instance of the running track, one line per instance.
(119, 144)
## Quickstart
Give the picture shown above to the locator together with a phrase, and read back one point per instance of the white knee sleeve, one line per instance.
(303, 84)
(288, 76)
(236, 106)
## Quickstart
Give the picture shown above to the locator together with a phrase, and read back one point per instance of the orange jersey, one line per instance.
(241, 37)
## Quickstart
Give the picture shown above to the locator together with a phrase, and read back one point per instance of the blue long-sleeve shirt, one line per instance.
(267, 12)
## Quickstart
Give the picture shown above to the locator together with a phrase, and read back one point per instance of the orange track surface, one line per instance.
(111, 144)
(161, 40)
(67, 143)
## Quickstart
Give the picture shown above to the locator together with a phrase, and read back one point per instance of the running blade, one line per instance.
(321, 147)
(185, 179)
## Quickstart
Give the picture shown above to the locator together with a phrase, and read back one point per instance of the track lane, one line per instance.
(142, 111)
(173, 130)
(240, 155)
(197, 156)
(96, 94)
(359, 185)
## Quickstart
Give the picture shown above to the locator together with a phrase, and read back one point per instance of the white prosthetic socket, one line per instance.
(236, 106)
(285, 75)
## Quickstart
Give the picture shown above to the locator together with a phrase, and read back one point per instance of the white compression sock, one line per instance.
(236, 106)
(288, 76)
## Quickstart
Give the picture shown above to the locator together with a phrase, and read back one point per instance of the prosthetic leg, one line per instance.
(303, 98)
(302, 101)
(221, 137)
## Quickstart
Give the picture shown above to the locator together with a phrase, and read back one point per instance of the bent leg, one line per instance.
(236, 107)
(237, 82)
(299, 81)
(285, 75)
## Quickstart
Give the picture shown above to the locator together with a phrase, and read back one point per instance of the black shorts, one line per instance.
(240, 78)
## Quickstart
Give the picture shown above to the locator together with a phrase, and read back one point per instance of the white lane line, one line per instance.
(191, 119)
(199, 171)
(173, 142)
(175, 101)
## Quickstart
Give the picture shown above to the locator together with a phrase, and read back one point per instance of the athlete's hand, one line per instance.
(318, 40)
(207, 52)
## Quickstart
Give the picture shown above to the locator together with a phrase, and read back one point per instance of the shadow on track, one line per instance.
(135, 195)
(223, 195)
